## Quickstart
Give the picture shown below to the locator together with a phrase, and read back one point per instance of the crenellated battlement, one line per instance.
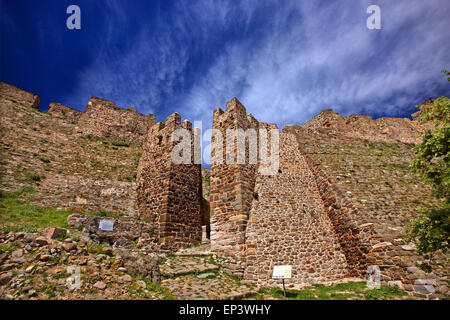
(385, 129)
(18, 95)
(65, 112)
(103, 119)
(232, 184)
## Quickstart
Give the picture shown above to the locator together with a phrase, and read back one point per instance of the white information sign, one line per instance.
(106, 225)
(282, 272)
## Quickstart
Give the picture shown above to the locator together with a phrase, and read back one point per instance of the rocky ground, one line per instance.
(34, 267)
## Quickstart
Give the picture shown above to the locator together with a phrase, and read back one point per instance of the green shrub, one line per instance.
(33, 176)
(120, 143)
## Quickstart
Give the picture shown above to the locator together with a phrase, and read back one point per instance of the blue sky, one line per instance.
(284, 60)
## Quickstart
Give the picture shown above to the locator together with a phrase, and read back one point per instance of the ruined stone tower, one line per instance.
(170, 194)
(260, 220)
(232, 184)
(289, 225)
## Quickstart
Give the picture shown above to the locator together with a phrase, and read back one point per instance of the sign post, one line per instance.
(106, 225)
(282, 272)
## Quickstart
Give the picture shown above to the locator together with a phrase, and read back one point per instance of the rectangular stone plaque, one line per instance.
(106, 225)
(282, 272)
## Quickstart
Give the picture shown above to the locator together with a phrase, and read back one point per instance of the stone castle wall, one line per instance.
(18, 95)
(298, 216)
(289, 225)
(258, 221)
(353, 239)
(83, 194)
(74, 173)
(170, 194)
(65, 112)
(387, 129)
(103, 119)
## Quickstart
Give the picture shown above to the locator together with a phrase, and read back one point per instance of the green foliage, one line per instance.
(130, 178)
(447, 73)
(96, 248)
(33, 176)
(45, 159)
(431, 161)
(438, 111)
(18, 214)
(120, 143)
(102, 213)
(430, 231)
(384, 292)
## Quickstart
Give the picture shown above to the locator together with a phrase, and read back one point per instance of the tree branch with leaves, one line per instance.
(430, 230)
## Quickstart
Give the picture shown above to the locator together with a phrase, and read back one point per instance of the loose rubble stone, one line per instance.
(19, 260)
(100, 285)
(17, 253)
(69, 246)
(425, 282)
(32, 293)
(6, 266)
(425, 289)
(45, 257)
(29, 269)
(3, 257)
(124, 232)
(125, 278)
(41, 241)
(55, 232)
(144, 265)
(29, 237)
(5, 277)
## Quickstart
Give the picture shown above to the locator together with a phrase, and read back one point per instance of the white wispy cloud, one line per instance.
(304, 57)
(328, 58)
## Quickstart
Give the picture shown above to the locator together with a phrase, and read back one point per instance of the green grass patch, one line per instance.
(18, 215)
(45, 159)
(8, 247)
(342, 291)
(121, 143)
(33, 176)
(165, 293)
